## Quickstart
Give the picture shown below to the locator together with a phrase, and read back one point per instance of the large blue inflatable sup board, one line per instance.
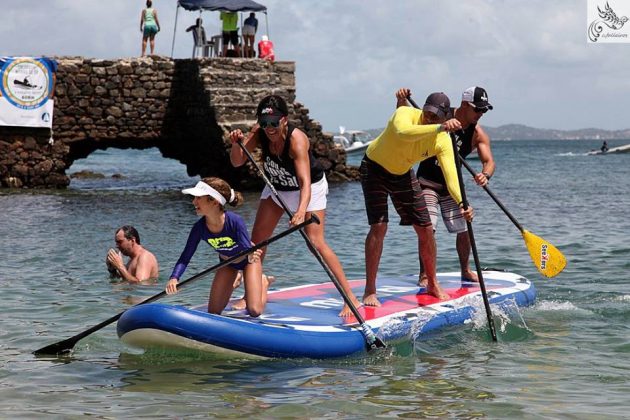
(303, 321)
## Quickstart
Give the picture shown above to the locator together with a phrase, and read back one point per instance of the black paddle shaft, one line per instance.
(371, 339)
(482, 285)
(66, 345)
(473, 244)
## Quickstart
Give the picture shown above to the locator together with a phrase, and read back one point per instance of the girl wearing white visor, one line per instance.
(226, 232)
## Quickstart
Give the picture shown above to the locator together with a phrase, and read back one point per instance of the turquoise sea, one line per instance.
(565, 357)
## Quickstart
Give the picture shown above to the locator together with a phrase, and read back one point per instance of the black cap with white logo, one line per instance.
(477, 96)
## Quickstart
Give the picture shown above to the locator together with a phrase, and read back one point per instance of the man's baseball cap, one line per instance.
(438, 103)
(477, 96)
(270, 114)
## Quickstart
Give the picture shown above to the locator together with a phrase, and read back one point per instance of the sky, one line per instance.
(351, 56)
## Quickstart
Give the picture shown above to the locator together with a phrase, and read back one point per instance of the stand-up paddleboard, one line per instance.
(303, 321)
(619, 149)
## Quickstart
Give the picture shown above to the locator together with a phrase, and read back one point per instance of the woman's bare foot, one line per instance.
(468, 275)
(346, 312)
(371, 300)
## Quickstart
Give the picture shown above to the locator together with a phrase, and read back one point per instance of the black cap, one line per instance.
(477, 96)
(438, 103)
(270, 114)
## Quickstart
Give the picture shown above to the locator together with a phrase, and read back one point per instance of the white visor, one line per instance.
(202, 189)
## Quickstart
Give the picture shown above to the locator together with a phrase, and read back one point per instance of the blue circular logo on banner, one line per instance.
(26, 83)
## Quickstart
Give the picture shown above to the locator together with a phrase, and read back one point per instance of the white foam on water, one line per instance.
(390, 327)
(554, 305)
(570, 154)
(504, 314)
(418, 325)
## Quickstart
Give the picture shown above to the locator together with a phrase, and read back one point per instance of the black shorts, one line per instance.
(404, 190)
(231, 36)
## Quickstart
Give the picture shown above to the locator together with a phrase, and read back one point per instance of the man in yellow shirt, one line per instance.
(411, 136)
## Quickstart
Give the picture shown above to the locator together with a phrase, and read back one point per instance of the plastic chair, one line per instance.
(200, 43)
(217, 40)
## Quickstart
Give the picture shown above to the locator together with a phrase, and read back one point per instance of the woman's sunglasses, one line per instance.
(265, 124)
(480, 110)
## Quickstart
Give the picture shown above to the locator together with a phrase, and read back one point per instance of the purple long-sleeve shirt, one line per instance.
(229, 242)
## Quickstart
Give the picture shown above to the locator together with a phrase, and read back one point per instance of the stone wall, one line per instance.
(183, 107)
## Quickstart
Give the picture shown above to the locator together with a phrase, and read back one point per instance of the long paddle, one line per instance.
(66, 345)
(482, 284)
(547, 258)
(473, 245)
(371, 339)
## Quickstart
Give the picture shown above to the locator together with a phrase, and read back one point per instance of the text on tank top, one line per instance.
(430, 168)
(281, 169)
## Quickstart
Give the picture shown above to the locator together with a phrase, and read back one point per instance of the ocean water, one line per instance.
(565, 357)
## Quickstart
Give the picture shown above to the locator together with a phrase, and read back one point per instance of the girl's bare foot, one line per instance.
(238, 280)
(239, 304)
(267, 281)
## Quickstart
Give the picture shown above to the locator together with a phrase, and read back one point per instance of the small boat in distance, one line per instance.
(619, 149)
(352, 140)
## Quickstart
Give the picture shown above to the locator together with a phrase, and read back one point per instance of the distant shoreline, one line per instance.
(523, 132)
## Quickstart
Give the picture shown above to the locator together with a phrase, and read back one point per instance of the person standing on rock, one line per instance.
(296, 175)
(149, 26)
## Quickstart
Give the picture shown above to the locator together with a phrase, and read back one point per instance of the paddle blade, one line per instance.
(61, 347)
(547, 258)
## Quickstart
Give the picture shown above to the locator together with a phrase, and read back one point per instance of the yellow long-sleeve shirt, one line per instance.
(405, 142)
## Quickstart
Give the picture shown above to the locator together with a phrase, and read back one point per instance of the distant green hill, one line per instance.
(523, 132)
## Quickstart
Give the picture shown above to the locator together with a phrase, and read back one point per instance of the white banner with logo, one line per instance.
(26, 91)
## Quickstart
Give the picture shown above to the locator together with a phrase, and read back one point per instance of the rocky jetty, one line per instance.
(185, 108)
